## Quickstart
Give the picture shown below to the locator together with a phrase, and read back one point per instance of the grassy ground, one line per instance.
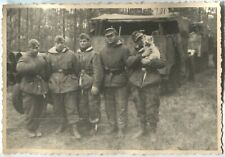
(188, 121)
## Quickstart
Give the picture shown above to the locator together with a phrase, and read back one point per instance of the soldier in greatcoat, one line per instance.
(145, 81)
(114, 56)
(32, 68)
(63, 85)
(91, 77)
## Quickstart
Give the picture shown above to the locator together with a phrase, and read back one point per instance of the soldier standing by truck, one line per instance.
(114, 56)
(90, 81)
(145, 81)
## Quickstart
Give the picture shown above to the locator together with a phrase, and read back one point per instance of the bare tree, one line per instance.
(27, 26)
(63, 18)
(18, 27)
(74, 29)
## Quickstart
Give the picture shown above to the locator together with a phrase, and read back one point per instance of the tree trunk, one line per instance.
(63, 14)
(19, 24)
(39, 24)
(9, 31)
(27, 26)
(74, 29)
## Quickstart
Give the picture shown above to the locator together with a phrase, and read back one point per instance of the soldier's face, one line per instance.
(34, 50)
(84, 43)
(59, 46)
(112, 38)
(139, 42)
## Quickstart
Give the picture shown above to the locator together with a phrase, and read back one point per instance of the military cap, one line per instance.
(136, 35)
(59, 39)
(33, 43)
(109, 31)
(84, 36)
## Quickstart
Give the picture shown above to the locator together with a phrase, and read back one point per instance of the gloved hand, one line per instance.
(94, 90)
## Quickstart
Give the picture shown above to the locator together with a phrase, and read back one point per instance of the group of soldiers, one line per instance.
(75, 82)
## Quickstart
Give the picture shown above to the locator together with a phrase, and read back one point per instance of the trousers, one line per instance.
(116, 101)
(33, 105)
(89, 106)
(66, 107)
(147, 103)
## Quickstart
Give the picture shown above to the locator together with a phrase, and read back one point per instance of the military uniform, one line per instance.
(145, 89)
(91, 75)
(63, 85)
(33, 86)
(114, 57)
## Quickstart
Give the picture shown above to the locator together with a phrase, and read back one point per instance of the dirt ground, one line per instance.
(188, 121)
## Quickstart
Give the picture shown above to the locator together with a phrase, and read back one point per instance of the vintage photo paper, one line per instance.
(112, 78)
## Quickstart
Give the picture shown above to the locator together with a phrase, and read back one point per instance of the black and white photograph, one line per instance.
(112, 78)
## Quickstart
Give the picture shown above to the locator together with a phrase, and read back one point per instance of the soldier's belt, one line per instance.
(114, 71)
(66, 72)
(89, 72)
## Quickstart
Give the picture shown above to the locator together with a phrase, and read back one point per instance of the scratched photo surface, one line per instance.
(179, 111)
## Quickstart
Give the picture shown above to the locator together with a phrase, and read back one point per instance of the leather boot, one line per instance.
(38, 134)
(112, 130)
(120, 133)
(152, 132)
(62, 125)
(61, 128)
(141, 132)
(94, 129)
(75, 132)
(152, 128)
(31, 134)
